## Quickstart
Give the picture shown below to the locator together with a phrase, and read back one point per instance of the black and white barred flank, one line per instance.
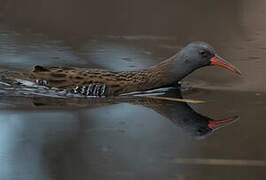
(90, 90)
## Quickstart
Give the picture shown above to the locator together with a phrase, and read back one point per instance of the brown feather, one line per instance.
(115, 83)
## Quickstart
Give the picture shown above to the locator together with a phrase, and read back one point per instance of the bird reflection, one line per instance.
(180, 114)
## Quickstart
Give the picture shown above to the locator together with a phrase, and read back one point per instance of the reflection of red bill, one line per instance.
(215, 124)
(219, 61)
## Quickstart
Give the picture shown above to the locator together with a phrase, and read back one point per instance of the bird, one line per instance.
(102, 83)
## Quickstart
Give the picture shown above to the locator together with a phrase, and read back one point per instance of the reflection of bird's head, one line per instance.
(200, 127)
(206, 126)
(191, 122)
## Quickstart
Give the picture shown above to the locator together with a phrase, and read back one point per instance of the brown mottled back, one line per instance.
(99, 82)
(81, 78)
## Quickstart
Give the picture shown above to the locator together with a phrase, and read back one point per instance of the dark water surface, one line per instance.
(46, 135)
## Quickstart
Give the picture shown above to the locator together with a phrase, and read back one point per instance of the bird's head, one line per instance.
(199, 54)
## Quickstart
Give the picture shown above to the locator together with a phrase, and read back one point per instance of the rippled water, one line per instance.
(47, 134)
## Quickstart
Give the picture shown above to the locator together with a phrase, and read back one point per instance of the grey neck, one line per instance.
(175, 68)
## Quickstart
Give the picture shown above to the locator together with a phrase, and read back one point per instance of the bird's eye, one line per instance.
(203, 53)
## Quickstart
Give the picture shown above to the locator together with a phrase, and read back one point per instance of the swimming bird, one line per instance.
(100, 82)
